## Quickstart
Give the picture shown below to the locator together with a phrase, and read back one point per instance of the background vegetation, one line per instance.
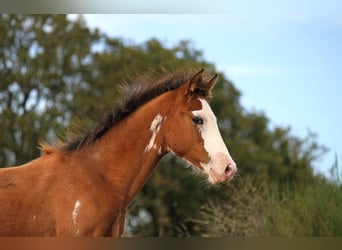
(54, 72)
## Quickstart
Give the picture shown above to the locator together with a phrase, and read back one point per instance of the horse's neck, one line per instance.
(129, 151)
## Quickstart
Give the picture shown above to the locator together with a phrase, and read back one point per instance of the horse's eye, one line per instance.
(197, 120)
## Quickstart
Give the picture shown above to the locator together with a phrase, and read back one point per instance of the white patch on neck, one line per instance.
(76, 211)
(212, 138)
(155, 127)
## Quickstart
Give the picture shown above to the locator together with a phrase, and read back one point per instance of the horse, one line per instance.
(83, 186)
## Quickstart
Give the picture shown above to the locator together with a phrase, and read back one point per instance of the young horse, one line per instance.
(83, 188)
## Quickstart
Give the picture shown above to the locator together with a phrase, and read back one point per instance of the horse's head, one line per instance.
(193, 133)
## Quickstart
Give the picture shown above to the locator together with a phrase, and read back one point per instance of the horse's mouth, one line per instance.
(215, 178)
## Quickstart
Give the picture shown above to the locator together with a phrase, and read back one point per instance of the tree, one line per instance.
(42, 59)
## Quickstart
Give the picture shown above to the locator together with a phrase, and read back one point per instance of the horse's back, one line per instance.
(21, 198)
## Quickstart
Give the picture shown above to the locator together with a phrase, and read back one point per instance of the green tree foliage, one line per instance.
(55, 72)
(41, 65)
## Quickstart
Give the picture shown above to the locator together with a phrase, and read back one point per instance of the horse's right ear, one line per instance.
(194, 82)
(209, 84)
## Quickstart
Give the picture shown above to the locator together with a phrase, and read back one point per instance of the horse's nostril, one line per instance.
(228, 170)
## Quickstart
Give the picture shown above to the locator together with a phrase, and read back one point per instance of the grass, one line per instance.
(268, 210)
(314, 211)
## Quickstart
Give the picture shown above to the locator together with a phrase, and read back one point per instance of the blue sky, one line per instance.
(287, 64)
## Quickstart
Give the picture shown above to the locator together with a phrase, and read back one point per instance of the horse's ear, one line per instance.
(194, 82)
(209, 84)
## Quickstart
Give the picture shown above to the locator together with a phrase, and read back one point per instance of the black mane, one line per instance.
(146, 89)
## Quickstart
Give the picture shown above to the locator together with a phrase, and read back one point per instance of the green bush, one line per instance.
(273, 210)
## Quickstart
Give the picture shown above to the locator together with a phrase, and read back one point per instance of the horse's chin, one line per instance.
(215, 180)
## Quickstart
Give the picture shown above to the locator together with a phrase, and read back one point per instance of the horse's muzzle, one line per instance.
(222, 169)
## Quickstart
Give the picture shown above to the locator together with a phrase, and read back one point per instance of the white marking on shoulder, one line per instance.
(75, 212)
(155, 127)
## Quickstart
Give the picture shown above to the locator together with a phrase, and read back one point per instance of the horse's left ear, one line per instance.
(209, 84)
(195, 80)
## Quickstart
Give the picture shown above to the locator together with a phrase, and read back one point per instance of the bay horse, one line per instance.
(82, 187)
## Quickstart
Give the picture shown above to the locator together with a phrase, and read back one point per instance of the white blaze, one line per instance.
(155, 127)
(213, 141)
